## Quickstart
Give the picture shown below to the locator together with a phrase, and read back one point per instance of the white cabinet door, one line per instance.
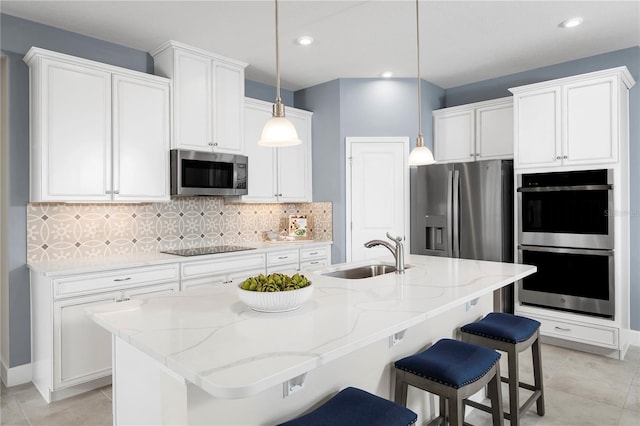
(192, 101)
(71, 133)
(82, 348)
(208, 98)
(494, 131)
(140, 140)
(454, 136)
(294, 163)
(262, 160)
(537, 128)
(591, 130)
(228, 108)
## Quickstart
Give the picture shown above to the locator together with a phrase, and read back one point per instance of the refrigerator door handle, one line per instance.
(449, 245)
(456, 213)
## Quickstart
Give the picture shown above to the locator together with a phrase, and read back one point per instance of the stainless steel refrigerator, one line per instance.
(464, 210)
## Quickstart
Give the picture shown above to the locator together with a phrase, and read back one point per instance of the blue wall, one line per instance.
(264, 92)
(498, 87)
(359, 107)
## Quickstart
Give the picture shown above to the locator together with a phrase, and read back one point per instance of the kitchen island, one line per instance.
(203, 357)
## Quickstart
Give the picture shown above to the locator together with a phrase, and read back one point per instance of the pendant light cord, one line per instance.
(278, 100)
(419, 85)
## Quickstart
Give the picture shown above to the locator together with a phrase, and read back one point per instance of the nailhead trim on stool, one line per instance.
(511, 334)
(454, 371)
(355, 407)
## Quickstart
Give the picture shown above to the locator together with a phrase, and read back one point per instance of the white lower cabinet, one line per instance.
(70, 352)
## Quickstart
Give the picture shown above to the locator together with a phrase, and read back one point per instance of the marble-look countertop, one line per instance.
(104, 263)
(217, 343)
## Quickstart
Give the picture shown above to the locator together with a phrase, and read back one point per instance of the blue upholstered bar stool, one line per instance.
(454, 371)
(355, 407)
(511, 334)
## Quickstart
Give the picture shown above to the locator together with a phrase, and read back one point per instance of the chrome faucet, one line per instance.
(397, 251)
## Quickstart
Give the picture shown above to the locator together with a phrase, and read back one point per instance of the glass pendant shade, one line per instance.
(279, 132)
(421, 155)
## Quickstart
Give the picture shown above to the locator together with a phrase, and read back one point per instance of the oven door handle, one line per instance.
(566, 250)
(566, 188)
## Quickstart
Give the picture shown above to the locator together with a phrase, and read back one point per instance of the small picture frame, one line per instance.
(298, 226)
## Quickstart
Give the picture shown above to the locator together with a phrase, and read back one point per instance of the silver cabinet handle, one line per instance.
(227, 282)
(558, 158)
(565, 157)
(313, 254)
(562, 329)
(117, 191)
(283, 257)
(279, 195)
(314, 262)
(108, 191)
(122, 279)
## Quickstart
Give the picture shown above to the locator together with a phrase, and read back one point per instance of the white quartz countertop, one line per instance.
(98, 264)
(216, 342)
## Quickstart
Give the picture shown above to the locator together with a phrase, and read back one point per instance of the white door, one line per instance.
(377, 193)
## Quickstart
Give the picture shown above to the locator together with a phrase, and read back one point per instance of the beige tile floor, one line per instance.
(581, 389)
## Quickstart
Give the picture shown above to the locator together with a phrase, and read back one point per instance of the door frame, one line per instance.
(349, 141)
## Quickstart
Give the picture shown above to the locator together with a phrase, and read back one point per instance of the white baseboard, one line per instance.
(16, 375)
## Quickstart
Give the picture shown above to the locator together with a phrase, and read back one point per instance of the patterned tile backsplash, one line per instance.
(67, 231)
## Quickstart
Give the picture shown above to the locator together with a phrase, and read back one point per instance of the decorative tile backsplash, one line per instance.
(66, 231)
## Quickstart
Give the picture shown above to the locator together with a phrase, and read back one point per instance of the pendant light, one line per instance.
(278, 132)
(420, 155)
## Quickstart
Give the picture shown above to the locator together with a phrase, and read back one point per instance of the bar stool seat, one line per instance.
(511, 334)
(453, 370)
(353, 407)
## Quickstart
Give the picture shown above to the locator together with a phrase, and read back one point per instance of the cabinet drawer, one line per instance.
(313, 264)
(314, 253)
(584, 333)
(282, 257)
(112, 280)
(226, 264)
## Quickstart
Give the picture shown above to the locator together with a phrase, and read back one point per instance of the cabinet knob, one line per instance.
(279, 195)
(558, 157)
(108, 191)
(565, 157)
(213, 143)
(117, 191)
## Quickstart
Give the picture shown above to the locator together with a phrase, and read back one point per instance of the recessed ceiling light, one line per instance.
(571, 22)
(305, 40)
(387, 74)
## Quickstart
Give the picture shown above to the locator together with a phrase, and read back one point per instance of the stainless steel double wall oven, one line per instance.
(565, 228)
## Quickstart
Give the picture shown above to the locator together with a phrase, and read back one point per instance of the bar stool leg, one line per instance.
(456, 412)
(537, 375)
(401, 389)
(514, 380)
(495, 395)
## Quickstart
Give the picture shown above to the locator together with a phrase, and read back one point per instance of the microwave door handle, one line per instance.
(449, 252)
(456, 213)
(565, 250)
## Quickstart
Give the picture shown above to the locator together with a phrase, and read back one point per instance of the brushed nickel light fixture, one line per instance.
(420, 155)
(279, 131)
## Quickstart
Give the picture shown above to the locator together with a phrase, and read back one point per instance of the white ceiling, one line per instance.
(461, 41)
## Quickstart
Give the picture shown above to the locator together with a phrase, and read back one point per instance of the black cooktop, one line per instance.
(199, 251)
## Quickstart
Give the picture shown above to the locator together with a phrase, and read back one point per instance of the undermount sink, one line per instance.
(358, 272)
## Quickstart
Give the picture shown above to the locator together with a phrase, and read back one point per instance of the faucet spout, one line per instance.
(397, 251)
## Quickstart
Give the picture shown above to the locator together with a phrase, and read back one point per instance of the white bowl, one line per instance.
(276, 301)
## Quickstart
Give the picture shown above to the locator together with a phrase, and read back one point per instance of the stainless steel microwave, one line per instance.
(208, 173)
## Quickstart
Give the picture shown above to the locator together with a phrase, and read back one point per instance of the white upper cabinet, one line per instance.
(97, 132)
(571, 121)
(208, 95)
(478, 131)
(277, 174)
